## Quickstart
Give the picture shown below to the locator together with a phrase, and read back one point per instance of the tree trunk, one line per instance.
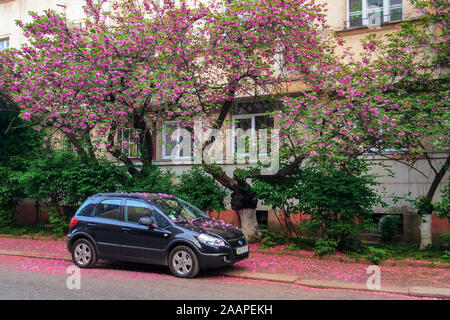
(425, 231)
(425, 225)
(242, 200)
(249, 224)
(245, 206)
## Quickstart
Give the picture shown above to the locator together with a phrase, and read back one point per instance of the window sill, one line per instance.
(367, 27)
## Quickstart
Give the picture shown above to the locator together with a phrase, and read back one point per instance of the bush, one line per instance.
(17, 147)
(62, 181)
(62, 178)
(442, 208)
(389, 226)
(271, 238)
(152, 180)
(201, 189)
(338, 201)
(325, 246)
(377, 255)
(281, 194)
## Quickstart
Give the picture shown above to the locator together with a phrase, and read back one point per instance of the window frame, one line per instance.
(365, 13)
(125, 212)
(6, 40)
(164, 156)
(94, 210)
(153, 209)
(127, 151)
(251, 116)
(254, 135)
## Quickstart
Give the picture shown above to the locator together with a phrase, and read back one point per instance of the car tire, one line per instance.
(84, 254)
(183, 262)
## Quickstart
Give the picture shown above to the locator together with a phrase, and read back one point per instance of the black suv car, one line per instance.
(152, 228)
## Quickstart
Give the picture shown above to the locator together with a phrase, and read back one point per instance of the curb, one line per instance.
(336, 258)
(415, 291)
(35, 255)
(30, 237)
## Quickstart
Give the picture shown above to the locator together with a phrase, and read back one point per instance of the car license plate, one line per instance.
(241, 250)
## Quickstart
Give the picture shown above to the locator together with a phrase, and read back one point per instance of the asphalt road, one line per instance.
(39, 279)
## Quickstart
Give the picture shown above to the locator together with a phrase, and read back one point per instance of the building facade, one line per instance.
(350, 19)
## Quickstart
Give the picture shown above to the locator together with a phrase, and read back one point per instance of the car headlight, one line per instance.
(210, 240)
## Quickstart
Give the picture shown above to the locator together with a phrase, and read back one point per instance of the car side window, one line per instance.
(160, 220)
(134, 210)
(85, 209)
(109, 209)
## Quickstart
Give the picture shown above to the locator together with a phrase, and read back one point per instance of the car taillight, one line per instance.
(73, 222)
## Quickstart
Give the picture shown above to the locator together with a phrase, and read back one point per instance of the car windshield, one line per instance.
(178, 210)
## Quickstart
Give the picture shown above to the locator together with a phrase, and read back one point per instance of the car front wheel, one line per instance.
(183, 262)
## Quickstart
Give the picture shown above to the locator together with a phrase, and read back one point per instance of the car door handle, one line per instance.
(126, 229)
(91, 224)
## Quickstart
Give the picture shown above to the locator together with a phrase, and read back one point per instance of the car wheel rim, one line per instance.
(82, 254)
(182, 263)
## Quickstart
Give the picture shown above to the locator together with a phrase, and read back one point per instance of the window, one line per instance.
(176, 142)
(160, 220)
(262, 217)
(79, 25)
(4, 44)
(109, 209)
(373, 12)
(129, 144)
(248, 118)
(134, 210)
(85, 209)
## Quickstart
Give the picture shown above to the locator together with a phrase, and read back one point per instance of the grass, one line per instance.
(28, 230)
(359, 249)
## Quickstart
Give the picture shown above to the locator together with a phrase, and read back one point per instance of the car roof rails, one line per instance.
(146, 191)
(116, 194)
(127, 193)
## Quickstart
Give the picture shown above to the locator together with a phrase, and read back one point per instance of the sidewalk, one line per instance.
(277, 265)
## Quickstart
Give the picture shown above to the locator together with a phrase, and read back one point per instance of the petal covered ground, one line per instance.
(304, 268)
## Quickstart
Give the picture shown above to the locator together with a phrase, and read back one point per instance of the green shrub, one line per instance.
(378, 254)
(389, 227)
(272, 238)
(62, 178)
(152, 180)
(17, 147)
(442, 208)
(62, 181)
(201, 189)
(325, 246)
(339, 202)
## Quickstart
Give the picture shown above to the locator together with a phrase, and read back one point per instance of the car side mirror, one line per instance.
(148, 221)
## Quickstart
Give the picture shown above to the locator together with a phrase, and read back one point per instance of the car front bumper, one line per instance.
(217, 260)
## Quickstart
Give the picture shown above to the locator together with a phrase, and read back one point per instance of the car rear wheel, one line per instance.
(84, 254)
(183, 262)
